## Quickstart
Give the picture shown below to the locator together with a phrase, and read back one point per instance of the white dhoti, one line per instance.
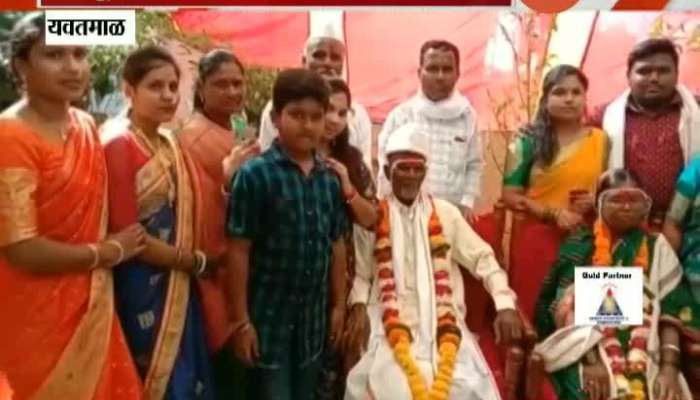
(378, 376)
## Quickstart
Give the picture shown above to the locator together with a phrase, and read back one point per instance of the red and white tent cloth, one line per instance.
(383, 47)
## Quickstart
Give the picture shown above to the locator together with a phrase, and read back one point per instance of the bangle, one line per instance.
(119, 247)
(670, 346)
(95, 255)
(245, 328)
(350, 197)
(200, 262)
(240, 327)
(237, 325)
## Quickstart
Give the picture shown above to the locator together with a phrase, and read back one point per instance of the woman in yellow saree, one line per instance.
(550, 175)
(61, 338)
(551, 172)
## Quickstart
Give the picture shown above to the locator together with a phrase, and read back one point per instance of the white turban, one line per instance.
(407, 138)
(326, 24)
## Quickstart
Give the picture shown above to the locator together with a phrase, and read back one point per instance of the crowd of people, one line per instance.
(220, 260)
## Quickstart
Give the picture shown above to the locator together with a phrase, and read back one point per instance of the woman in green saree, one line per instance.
(681, 308)
(624, 362)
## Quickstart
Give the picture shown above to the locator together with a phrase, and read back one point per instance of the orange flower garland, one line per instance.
(398, 334)
(628, 371)
(603, 243)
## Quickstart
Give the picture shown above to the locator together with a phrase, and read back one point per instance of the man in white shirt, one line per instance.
(448, 119)
(407, 281)
(325, 55)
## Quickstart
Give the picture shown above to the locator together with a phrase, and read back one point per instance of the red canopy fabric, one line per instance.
(383, 52)
(269, 39)
(383, 55)
(614, 35)
(383, 49)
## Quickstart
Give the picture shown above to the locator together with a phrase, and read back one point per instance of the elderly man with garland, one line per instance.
(408, 298)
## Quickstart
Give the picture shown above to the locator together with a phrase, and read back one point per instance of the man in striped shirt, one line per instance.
(449, 121)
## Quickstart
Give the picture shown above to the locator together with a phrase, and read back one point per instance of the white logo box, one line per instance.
(90, 27)
(609, 296)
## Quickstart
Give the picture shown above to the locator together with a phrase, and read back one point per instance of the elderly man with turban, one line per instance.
(407, 300)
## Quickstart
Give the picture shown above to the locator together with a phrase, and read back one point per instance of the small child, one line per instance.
(286, 223)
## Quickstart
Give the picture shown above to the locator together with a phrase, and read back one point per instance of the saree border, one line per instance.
(79, 369)
(172, 324)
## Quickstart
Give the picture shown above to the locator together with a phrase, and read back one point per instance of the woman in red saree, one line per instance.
(156, 293)
(61, 338)
(212, 146)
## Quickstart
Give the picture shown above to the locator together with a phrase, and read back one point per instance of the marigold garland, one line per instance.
(629, 371)
(398, 334)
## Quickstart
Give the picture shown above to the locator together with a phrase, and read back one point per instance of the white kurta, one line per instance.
(377, 372)
(688, 129)
(456, 164)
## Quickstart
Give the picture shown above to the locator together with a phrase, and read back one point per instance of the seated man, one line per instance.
(408, 296)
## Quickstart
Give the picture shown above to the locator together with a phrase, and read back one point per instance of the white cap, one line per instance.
(326, 24)
(407, 138)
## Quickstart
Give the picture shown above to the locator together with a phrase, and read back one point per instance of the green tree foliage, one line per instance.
(152, 27)
(7, 90)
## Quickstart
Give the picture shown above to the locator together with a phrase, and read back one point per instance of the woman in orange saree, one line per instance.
(60, 335)
(211, 141)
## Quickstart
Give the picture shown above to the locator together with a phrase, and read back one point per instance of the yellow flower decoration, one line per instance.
(636, 360)
(636, 386)
(397, 334)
